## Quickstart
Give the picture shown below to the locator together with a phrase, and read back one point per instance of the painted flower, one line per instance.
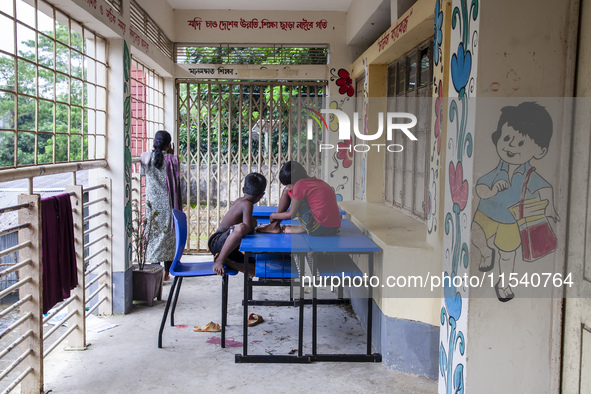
(458, 185)
(345, 82)
(438, 116)
(345, 153)
(437, 35)
(461, 65)
(453, 299)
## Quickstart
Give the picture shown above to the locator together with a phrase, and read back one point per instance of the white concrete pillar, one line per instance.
(496, 81)
(119, 170)
(33, 327)
(458, 191)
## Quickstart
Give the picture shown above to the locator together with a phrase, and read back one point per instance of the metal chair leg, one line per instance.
(168, 301)
(225, 280)
(176, 298)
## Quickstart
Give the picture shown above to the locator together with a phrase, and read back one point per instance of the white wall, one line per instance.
(524, 55)
(162, 13)
(399, 7)
(366, 21)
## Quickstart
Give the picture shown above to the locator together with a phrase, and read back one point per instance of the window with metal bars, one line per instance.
(142, 22)
(271, 54)
(147, 107)
(228, 129)
(410, 83)
(53, 87)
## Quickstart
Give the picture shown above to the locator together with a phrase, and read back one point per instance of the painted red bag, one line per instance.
(537, 237)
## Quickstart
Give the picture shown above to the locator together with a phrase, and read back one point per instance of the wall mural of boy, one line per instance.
(515, 201)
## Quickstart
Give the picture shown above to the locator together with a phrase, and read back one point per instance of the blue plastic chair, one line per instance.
(182, 270)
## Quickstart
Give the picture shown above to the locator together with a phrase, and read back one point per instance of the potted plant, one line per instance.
(147, 278)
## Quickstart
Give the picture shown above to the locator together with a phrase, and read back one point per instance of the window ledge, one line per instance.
(388, 226)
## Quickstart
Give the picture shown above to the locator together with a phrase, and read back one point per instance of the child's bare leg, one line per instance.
(232, 242)
(292, 229)
(240, 267)
(487, 255)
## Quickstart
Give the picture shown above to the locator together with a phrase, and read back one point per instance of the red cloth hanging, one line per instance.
(58, 254)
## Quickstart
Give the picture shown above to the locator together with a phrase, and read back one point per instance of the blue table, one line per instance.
(350, 240)
(270, 245)
(274, 243)
(260, 211)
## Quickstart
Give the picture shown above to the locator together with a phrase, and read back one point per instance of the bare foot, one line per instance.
(218, 266)
(270, 228)
(289, 229)
(234, 265)
(240, 267)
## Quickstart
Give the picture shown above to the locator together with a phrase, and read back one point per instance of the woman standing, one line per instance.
(161, 169)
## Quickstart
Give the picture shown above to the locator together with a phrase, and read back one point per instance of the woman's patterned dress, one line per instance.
(162, 243)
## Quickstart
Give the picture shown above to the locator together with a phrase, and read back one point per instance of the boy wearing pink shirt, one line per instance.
(311, 200)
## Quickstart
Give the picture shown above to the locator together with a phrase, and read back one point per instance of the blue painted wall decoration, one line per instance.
(459, 165)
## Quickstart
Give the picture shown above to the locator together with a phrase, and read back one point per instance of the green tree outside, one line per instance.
(216, 106)
(54, 123)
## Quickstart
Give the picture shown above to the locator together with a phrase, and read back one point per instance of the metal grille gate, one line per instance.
(227, 129)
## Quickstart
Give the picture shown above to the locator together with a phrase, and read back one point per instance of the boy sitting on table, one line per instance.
(311, 200)
(236, 224)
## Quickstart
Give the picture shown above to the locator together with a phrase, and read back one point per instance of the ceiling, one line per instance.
(274, 5)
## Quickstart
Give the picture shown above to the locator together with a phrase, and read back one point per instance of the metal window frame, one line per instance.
(41, 6)
(394, 83)
(153, 118)
(360, 109)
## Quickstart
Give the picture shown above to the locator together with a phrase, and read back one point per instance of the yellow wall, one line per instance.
(408, 248)
(419, 27)
(405, 252)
